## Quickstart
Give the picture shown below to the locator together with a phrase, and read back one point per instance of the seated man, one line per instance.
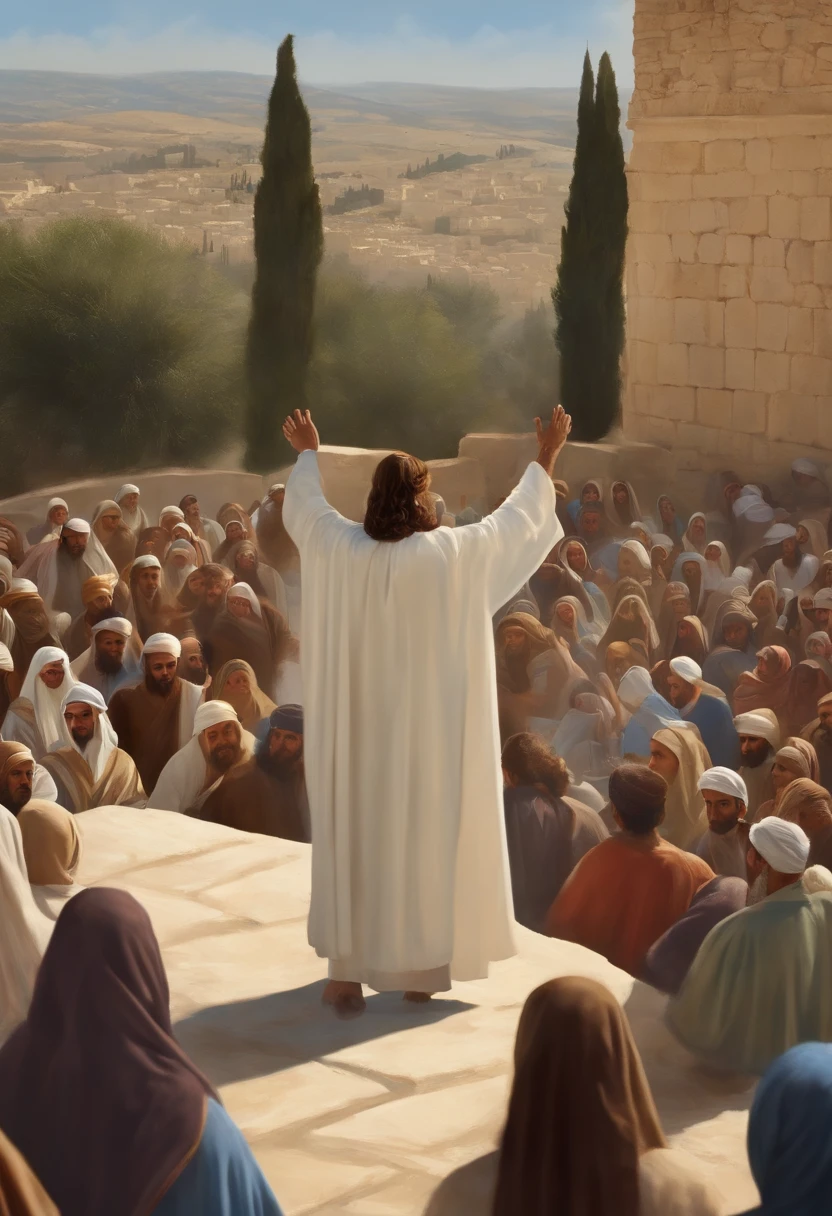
(34, 718)
(669, 959)
(759, 733)
(725, 844)
(547, 832)
(21, 779)
(709, 713)
(267, 794)
(155, 718)
(112, 660)
(97, 595)
(218, 746)
(762, 980)
(90, 769)
(631, 888)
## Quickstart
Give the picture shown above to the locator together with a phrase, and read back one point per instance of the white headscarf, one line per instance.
(635, 687)
(242, 591)
(162, 643)
(174, 577)
(183, 778)
(40, 564)
(25, 933)
(105, 740)
(724, 781)
(46, 702)
(784, 845)
(136, 520)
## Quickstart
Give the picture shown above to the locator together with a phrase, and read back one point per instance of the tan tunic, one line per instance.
(118, 785)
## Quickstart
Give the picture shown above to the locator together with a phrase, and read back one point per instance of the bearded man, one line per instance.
(192, 665)
(33, 629)
(267, 794)
(380, 597)
(218, 747)
(60, 567)
(147, 611)
(725, 845)
(97, 595)
(206, 529)
(819, 734)
(88, 767)
(759, 733)
(153, 719)
(698, 703)
(112, 660)
(733, 650)
(22, 779)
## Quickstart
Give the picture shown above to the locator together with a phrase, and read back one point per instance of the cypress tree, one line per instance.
(288, 247)
(589, 296)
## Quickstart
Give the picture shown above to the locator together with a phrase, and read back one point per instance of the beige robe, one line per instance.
(118, 785)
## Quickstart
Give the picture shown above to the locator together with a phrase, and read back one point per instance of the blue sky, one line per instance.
(470, 42)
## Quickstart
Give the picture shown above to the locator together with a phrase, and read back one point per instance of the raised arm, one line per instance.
(552, 438)
(305, 504)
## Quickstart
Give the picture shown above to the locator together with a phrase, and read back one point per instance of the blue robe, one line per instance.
(715, 721)
(222, 1178)
(724, 667)
(653, 713)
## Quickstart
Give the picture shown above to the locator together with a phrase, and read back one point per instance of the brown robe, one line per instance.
(251, 800)
(147, 725)
(260, 643)
(118, 785)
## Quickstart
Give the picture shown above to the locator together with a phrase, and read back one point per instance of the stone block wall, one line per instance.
(729, 274)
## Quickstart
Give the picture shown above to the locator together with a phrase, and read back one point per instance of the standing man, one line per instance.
(759, 733)
(410, 878)
(710, 714)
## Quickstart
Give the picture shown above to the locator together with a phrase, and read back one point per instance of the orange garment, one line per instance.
(623, 895)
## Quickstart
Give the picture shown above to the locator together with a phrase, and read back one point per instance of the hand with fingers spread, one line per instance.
(301, 431)
(552, 438)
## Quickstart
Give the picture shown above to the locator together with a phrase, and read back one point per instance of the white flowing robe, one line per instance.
(401, 739)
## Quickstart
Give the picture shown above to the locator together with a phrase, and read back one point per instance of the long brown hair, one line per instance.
(528, 760)
(398, 504)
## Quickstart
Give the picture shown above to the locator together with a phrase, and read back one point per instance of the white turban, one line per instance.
(724, 781)
(784, 845)
(114, 624)
(177, 511)
(55, 502)
(82, 694)
(687, 669)
(211, 713)
(6, 660)
(125, 490)
(806, 467)
(24, 586)
(758, 726)
(278, 485)
(147, 561)
(162, 643)
(77, 525)
(634, 687)
(823, 598)
(242, 591)
(779, 532)
(817, 878)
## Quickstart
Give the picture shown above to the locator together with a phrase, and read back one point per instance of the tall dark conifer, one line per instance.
(589, 296)
(288, 247)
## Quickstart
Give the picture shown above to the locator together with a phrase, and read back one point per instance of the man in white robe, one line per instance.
(59, 568)
(410, 877)
(35, 719)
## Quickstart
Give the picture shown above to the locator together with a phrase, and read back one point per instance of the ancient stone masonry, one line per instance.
(730, 258)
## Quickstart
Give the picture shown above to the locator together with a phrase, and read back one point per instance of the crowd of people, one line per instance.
(664, 696)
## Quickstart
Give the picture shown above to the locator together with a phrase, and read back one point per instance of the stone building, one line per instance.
(730, 260)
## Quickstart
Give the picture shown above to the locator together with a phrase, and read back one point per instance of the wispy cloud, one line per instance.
(488, 58)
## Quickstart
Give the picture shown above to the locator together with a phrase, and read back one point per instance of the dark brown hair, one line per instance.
(398, 504)
(528, 760)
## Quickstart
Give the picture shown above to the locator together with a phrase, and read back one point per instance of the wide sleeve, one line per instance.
(514, 541)
(222, 1178)
(305, 505)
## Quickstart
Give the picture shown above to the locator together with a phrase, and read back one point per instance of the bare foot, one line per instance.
(346, 998)
(418, 998)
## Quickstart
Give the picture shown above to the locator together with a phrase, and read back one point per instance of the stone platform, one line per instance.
(362, 1118)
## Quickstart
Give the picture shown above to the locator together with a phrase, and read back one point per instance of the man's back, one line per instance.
(624, 895)
(761, 982)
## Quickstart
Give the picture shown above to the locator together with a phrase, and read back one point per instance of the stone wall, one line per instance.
(729, 274)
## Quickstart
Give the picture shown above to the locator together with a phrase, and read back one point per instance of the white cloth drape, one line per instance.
(25, 932)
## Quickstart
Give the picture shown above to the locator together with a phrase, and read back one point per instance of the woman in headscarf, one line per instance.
(57, 513)
(675, 606)
(33, 629)
(809, 805)
(619, 657)
(696, 534)
(569, 623)
(678, 754)
(622, 507)
(183, 531)
(667, 519)
(153, 1137)
(535, 673)
(763, 604)
(236, 525)
(52, 848)
(250, 629)
(807, 685)
(35, 719)
(811, 537)
(691, 640)
(634, 562)
(632, 619)
(796, 760)
(178, 564)
(243, 560)
(690, 569)
(717, 564)
(582, 1135)
(25, 929)
(237, 685)
(573, 557)
(732, 646)
(767, 686)
(789, 1146)
(169, 517)
(819, 648)
(117, 540)
(132, 515)
(591, 491)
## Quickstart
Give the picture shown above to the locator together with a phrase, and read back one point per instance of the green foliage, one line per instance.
(288, 247)
(117, 351)
(443, 164)
(353, 199)
(589, 296)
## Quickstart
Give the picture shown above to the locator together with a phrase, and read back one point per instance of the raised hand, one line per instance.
(552, 437)
(301, 431)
